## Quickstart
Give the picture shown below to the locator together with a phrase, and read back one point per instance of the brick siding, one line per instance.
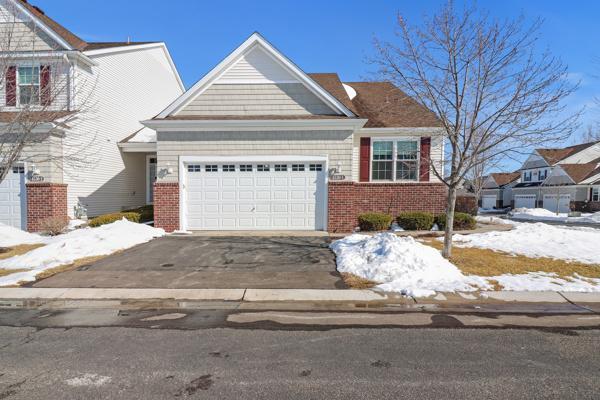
(585, 206)
(166, 205)
(45, 200)
(346, 200)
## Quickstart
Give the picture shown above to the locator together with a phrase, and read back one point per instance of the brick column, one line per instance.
(166, 205)
(45, 200)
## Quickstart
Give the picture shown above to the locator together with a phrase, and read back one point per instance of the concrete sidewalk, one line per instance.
(292, 295)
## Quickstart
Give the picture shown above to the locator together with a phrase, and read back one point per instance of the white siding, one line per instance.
(127, 87)
(23, 33)
(336, 145)
(257, 99)
(436, 154)
(587, 155)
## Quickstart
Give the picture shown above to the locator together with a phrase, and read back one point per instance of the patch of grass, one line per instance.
(4, 272)
(356, 282)
(68, 267)
(485, 262)
(18, 250)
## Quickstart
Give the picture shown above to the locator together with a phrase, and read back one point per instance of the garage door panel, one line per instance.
(557, 203)
(525, 201)
(13, 199)
(488, 202)
(224, 199)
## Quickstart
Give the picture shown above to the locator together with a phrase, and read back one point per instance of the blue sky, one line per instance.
(320, 36)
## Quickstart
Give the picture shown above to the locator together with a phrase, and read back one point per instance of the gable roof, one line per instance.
(552, 156)
(248, 45)
(504, 178)
(580, 172)
(74, 41)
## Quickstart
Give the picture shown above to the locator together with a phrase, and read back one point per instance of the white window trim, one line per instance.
(595, 188)
(395, 139)
(18, 85)
(150, 185)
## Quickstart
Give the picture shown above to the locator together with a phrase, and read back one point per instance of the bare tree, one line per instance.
(492, 93)
(591, 133)
(40, 104)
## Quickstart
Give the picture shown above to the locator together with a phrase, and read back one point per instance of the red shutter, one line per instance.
(425, 157)
(365, 159)
(45, 93)
(11, 86)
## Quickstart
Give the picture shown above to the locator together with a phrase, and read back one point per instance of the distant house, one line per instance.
(561, 179)
(497, 189)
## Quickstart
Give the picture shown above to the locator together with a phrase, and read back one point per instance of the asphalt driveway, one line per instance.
(211, 262)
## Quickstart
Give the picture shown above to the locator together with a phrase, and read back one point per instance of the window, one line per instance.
(297, 167)
(245, 168)
(543, 174)
(395, 160)
(19, 170)
(228, 168)
(29, 85)
(280, 167)
(596, 193)
(193, 168)
(211, 168)
(262, 167)
(315, 167)
(527, 176)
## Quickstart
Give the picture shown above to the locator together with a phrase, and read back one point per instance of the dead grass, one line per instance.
(485, 262)
(68, 267)
(4, 272)
(356, 282)
(18, 250)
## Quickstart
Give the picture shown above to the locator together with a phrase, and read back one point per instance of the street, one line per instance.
(172, 361)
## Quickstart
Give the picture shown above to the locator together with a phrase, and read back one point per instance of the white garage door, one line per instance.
(525, 201)
(488, 202)
(560, 203)
(13, 200)
(255, 196)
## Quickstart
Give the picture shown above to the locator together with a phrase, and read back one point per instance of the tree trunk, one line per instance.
(450, 205)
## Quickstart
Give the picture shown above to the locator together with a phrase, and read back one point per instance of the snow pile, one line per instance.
(80, 243)
(543, 281)
(10, 236)
(593, 218)
(401, 264)
(540, 240)
(533, 213)
(492, 220)
(144, 135)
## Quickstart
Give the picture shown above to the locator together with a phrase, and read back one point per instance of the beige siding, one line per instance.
(578, 193)
(258, 67)
(46, 157)
(257, 99)
(336, 145)
(437, 147)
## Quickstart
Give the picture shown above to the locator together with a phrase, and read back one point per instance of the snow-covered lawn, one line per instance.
(540, 240)
(10, 237)
(541, 214)
(401, 264)
(69, 247)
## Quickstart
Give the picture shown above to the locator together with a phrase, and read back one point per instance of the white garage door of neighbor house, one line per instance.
(255, 196)
(525, 201)
(488, 202)
(557, 203)
(13, 200)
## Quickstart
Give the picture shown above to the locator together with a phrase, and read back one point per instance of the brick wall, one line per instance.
(166, 205)
(467, 204)
(585, 206)
(45, 200)
(346, 200)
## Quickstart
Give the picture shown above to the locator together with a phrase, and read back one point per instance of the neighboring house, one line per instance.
(561, 180)
(258, 143)
(497, 191)
(123, 84)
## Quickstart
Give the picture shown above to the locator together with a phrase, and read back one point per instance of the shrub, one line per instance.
(146, 213)
(374, 221)
(54, 225)
(462, 221)
(415, 220)
(110, 218)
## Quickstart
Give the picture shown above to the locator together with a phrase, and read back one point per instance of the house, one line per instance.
(121, 83)
(497, 189)
(257, 143)
(561, 179)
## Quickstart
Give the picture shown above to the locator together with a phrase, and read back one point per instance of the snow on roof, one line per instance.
(349, 91)
(144, 135)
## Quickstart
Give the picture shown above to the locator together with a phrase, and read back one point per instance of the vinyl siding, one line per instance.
(437, 147)
(127, 87)
(577, 192)
(258, 67)
(257, 99)
(39, 155)
(22, 33)
(336, 145)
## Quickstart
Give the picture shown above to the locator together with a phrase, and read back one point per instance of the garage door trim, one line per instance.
(184, 160)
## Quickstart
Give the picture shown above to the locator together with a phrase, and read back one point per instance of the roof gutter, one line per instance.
(352, 124)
